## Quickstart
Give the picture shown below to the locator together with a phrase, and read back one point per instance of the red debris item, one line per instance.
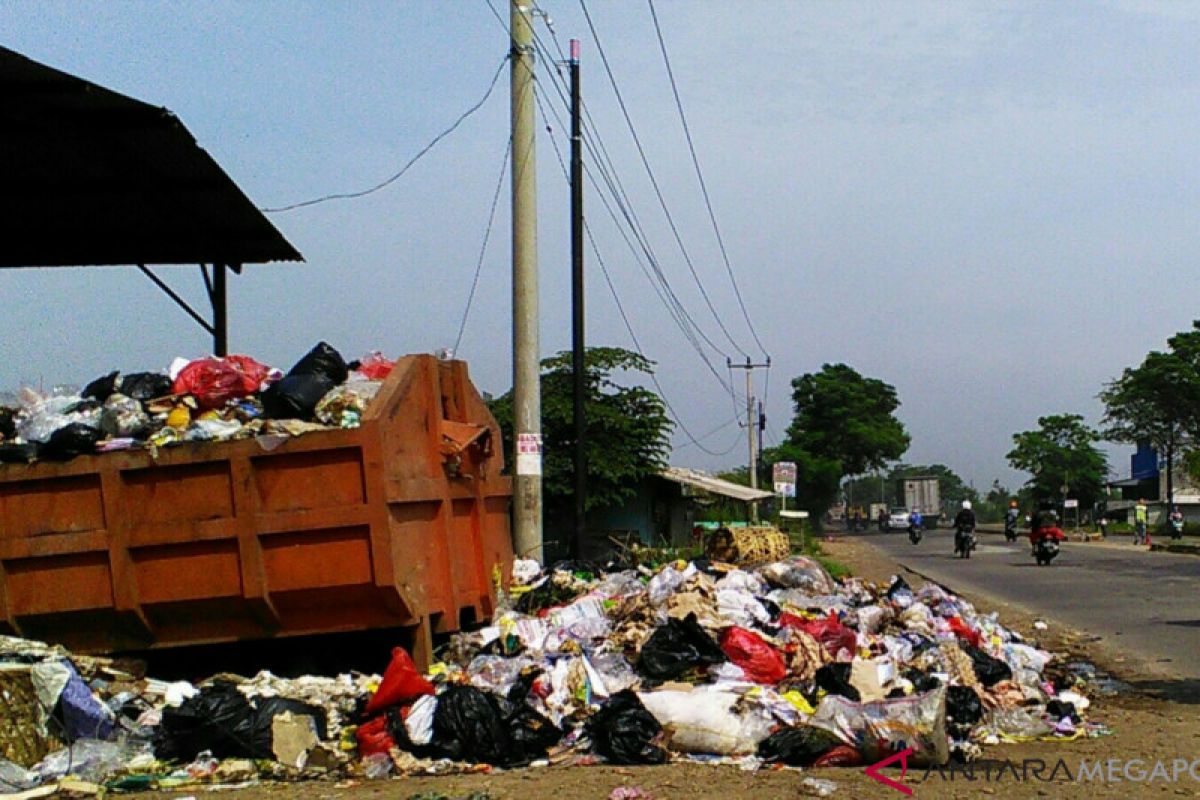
(841, 756)
(375, 367)
(373, 737)
(254, 373)
(761, 662)
(401, 684)
(212, 381)
(965, 632)
(830, 632)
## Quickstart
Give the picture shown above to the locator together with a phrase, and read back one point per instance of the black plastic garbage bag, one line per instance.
(295, 396)
(989, 670)
(922, 681)
(71, 440)
(835, 679)
(622, 731)
(532, 733)
(797, 747)
(1060, 708)
(963, 710)
(677, 647)
(145, 386)
(219, 719)
(264, 715)
(101, 388)
(8, 422)
(324, 362)
(469, 726)
(11, 453)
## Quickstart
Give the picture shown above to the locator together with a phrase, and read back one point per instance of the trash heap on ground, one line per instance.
(776, 665)
(207, 399)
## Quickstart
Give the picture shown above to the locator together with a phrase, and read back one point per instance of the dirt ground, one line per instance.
(1157, 722)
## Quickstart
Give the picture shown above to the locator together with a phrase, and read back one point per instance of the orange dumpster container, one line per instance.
(400, 522)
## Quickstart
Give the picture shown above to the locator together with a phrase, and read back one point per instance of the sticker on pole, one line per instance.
(784, 477)
(529, 454)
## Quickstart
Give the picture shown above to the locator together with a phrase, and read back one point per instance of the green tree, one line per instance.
(1159, 401)
(628, 431)
(1061, 452)
(844, 424)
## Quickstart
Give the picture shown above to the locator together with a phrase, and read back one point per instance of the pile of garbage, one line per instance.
(206, 399)
(776, 665)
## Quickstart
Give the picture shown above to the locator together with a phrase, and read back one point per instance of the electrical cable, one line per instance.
(487, 234)
(687, 131)
(654, 180)
(674, 306)
(382, 184)
(693, 440)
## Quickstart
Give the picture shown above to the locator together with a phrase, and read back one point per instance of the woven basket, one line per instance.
(21, 739)
(751, 545)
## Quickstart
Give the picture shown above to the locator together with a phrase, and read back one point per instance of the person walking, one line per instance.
(1141, 534)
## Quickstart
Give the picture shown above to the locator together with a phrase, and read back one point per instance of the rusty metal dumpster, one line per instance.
(400, 522)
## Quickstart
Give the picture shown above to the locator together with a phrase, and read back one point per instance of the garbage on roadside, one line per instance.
(201, 400)
(775, 665)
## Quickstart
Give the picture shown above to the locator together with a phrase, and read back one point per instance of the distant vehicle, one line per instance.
(897, 520)
(921, 493)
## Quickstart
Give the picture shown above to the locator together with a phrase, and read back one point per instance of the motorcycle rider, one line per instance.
(1044, 524)
(915, 520)
(1011, 515)
(964, 522)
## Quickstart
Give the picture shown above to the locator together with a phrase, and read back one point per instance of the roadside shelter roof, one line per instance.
(713, 484)
(93, 177)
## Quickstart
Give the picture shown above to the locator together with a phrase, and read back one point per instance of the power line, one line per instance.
(487, 234)
(666, 294)
(382, 184)
(653, 180)
(693, 440)
(700, 177)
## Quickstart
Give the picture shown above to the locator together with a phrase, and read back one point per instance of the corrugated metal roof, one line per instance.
(711, 483)
(92, 177)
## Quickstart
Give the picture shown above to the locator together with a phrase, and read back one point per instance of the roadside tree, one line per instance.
(1061, 452)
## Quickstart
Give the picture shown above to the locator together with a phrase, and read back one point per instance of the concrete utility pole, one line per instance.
(578, 344)
(752, 422)
(527, 394)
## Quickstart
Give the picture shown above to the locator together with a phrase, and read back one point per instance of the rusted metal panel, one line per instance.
(337, 530)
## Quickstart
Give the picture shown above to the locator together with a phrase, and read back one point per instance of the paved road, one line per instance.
(1144, 603)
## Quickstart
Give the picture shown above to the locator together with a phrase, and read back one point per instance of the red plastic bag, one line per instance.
(254, 373)
(373, 737)
(212, 381)
(830, 632)
(761, 662)
(401, 684)
(375, 367)
(965, 632)
(841, 756)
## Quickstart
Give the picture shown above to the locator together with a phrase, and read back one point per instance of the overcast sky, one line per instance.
(991, 206)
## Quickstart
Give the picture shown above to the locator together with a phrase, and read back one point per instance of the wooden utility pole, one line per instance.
(527, 394)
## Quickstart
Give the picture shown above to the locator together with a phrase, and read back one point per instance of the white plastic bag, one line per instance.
(707, 722)
(419, 722)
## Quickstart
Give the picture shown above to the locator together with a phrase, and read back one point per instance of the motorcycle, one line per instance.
(964, 542)
(1176, 526)
(1010, 529)
(914, 534)
(1047, 546)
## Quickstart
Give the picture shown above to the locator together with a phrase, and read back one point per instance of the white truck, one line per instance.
(922, 493)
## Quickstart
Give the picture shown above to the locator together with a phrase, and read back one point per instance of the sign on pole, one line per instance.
(1071, 502)
(784, 477)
